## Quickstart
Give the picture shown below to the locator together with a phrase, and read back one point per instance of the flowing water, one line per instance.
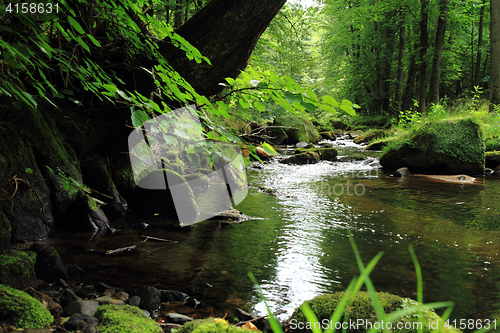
(302, 249)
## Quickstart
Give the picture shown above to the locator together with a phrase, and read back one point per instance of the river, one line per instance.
(301, 248)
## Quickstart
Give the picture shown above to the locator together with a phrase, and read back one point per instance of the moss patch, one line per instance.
(21, 310)
(17, 268)
(124, 318)
(361, 307)
(325, 154)
(449, 146)
(369, 136)
(211, 326)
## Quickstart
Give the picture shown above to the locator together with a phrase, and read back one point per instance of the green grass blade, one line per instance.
(420, 288)
(275, 325)
(311, 317)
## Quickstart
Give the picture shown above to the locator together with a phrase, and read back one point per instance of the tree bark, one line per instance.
(400, 74)
(422, 68)
(477, 76)
(494, 51)
(438, 52)
(226, 32)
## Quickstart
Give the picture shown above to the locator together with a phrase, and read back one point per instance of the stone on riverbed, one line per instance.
(309, 157)
(449, 146)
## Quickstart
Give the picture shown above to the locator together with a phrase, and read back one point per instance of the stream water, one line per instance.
(302, 249)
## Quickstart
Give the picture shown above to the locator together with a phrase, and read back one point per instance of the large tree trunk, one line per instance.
(494, 51)
(438, 52)
(225, 31)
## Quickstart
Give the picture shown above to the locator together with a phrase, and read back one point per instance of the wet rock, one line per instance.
(171, 295)
(135, 301)
(87, 307)
(150, 298)
(169, 327)
(85, 215)
(192, 302)
(87, 293)
(402, 172)
(328, 135)
(277, 135)
(325, 145)
(49, 266)
(54, 308)
(109, 292)
(69, 296)
(302, 158)
(109, 300)
(17, 269)
(122, 296)
(301, 144)
(177, 318)
(81, 322)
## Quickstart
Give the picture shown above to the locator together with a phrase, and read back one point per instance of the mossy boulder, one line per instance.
(124, 318)
(298, 129)
(379, 144)
(361, 308)
(308, 157)
(452, 146)
(123, 176)
(211, 325)
(277, 135)
(369, 136)
(325, 154)
(328, 135)
(17, 268)
(20, 310)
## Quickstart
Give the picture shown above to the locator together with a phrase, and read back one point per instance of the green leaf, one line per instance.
(259, 106)
(292, 97)
(268, 148)
(138, 117)
(244, 103)
(75, 25)
(309, 107)
(331, 101)
(28, 170)
(110, 87)
(312, 95)
(93, 40)
(82, 43)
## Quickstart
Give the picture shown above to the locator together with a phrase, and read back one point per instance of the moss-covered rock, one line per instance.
(369, 136)
(325, 154)
(123, 176)
(17, 268)
(20, 310)
(299, 129)
(5, 230)
(328, 135)
(277, 135)
(211, 325)
(452, 146)
(379, 144)
(308, 157)
(124, 318)
(361, 308)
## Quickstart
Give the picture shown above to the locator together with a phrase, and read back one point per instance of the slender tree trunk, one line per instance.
(495, 52)
(409, 92)
(422, 68)
(179, 13)
(400, 74)
(438, 52)
(477, 77)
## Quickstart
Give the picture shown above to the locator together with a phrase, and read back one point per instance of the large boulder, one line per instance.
(20, 310)
(360, 307)
(17, 269)
(298, 129)
(452, 146)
